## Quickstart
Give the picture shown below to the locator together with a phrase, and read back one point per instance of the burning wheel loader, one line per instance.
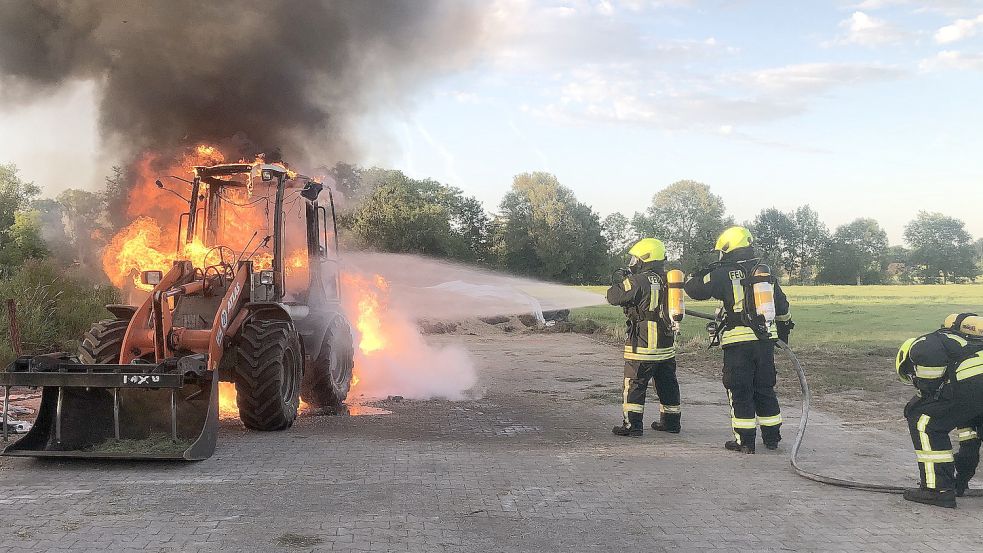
(235, 306)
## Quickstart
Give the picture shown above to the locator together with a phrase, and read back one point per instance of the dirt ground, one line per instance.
(530, 466)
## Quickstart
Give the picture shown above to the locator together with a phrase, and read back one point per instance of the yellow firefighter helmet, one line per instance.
(967, 324)
(648, 250)
(732, 239)
(903, 364)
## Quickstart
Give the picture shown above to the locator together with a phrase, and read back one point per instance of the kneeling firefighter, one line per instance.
(650, 352)
(755, 314)
(946, 368)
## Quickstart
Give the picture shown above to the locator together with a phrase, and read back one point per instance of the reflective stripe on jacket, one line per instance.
(648, 336)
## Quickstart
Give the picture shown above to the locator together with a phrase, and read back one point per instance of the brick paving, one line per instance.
(530, 467)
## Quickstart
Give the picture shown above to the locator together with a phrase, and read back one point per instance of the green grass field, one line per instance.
(870, 318)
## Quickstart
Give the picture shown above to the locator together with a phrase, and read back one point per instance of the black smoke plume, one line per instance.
(251, 75)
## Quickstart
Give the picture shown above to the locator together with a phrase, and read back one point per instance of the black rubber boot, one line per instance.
(625, 430)
(732, 445)
(937, 498)
(771, 435)
(961, 487)
(668, 423)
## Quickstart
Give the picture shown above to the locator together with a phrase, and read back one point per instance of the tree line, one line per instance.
(539, 229)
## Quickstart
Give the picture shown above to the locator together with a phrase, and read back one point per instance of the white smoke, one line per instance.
(420, 288)
(429, 288)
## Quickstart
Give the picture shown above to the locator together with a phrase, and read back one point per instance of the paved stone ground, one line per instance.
(530, 467)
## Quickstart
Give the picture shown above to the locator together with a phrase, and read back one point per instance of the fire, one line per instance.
(136, 248)
(371, 298)
(227, 408)
(296, 262)
(155, 239)
(143, 246)
(151, 241)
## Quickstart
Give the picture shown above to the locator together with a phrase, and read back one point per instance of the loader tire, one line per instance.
(103, 343)
(267, 375)
(326, 384)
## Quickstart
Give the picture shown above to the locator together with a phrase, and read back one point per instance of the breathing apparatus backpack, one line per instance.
(968, 325)
(758, 305)
(658, 313)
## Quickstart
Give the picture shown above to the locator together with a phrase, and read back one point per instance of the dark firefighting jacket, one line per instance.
(727, 281)
(650, 336)
(940, 357)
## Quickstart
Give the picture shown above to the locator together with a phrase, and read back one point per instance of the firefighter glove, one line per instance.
(784, 329)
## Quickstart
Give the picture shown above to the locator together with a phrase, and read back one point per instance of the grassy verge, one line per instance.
(846, 335)
(856, 318)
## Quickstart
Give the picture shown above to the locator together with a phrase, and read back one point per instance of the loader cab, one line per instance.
(281, 221)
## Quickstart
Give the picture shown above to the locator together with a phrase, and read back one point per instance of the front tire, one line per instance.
(329, 379)
(267, 375)
(103, 343)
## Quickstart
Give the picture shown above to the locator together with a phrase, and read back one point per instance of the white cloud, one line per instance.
(953, 59)
(952, 8)
(865, 30)
(581, 68)
(669, 101)
(806, 79)
(959, 30)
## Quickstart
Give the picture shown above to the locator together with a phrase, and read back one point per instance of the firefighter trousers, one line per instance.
(663, 375)
(967, 458)
(931, 419)
(749, 376)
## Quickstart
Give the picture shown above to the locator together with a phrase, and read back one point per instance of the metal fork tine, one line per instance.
(173, 416)
(116, 412)
(58, 415)
(6, 406)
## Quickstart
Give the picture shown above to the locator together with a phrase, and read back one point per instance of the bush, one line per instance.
(54, 308)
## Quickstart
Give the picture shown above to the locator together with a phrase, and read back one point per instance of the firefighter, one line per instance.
(650, 353)
(946, 368)
(747, 334)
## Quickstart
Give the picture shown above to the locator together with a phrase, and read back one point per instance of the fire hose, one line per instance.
(804, 421)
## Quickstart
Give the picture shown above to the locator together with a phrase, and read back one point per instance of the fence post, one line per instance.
(14, 330)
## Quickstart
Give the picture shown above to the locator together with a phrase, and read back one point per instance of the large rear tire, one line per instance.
(267, 375)
(103, 343)
(327, 382)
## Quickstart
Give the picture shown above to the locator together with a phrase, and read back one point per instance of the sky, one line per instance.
(857, 108)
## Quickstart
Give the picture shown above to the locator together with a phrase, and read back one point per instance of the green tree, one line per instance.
(978, 254)
(419, 216)
(470, 220)
(52, 221)
(688, 218)
(941, 248)
(854, 254)
(15, 194)
(808, 242)
(83, 214)
(619, 233)
(23, 239)
(774, 233)
(115, 197)
(543, 231)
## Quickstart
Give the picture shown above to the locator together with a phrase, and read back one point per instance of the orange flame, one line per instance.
(151, 241)
(227, 408)
(371, 297)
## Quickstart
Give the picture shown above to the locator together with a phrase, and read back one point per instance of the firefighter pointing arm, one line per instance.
(756, 313)
(946, 368)
(650, 353)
